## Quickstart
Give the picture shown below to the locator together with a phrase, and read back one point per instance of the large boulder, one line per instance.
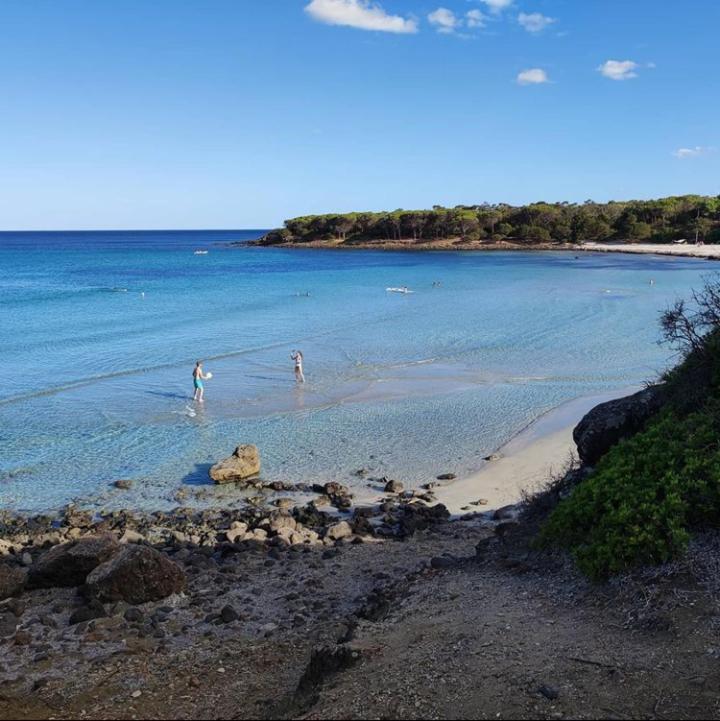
(137, 574)
(609, 423)
(12, 580)
(242, 465)
(69, 564)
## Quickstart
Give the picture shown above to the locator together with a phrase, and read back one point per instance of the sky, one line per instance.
(242, 113)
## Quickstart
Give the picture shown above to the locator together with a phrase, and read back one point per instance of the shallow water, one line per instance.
(101, 330)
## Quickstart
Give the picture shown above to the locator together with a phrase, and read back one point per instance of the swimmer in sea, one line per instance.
(297, 356)
(198, 378)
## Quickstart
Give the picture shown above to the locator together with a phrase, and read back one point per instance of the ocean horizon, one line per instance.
(102, 329)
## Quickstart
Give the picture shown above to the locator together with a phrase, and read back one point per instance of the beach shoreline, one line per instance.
(528, 461)
(701, 252)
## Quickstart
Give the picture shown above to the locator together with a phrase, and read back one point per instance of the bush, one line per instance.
(644, 498)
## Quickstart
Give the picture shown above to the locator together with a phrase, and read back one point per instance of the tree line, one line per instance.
(692, 217)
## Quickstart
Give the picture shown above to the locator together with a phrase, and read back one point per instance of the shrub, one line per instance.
(644, 498)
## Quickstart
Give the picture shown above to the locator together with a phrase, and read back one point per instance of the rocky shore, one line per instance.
(327, 610)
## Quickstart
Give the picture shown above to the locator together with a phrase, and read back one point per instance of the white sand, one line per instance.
(690, 249)
(527, 462)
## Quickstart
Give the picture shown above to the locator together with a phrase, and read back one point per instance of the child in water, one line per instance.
(198, 378)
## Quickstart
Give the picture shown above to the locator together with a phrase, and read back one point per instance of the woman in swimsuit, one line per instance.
(297, 356)
(198, 378)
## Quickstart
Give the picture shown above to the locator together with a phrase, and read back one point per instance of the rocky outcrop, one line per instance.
(69, 564)
(609, 423)
(241, 466)
(137, 574)
(12, 580)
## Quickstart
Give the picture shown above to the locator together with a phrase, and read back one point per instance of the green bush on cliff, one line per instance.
(651, 491)
(645, 496)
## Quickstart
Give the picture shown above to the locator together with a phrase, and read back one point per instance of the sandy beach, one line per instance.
(524, 464)
(706, 252)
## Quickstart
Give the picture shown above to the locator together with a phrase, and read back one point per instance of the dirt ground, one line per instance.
(507, 634)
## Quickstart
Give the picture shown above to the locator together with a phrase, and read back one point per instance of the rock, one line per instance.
(236, 532)
(324, 663)
(506, 513)
(493, 457)
(12, 580)
(229, 614)
(609, 423)
(22, 638)
(131, 536)
(78, 519)
(259, 534)
(133, 615)
(443, 562)
(26, 559)
(123, 485)
(242, 465)
(394, 487)
(447, 477)
(87, 613)
(549, 693)
(137, 574)
(69, 564)
(338, 531)
(280, 519)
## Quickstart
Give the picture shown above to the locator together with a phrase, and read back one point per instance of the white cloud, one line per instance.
(444, 20)
(497, 6)
(619, 69)
(696, 152)
(534, 76)
(534, 22)
(361, 14)
(475, 19)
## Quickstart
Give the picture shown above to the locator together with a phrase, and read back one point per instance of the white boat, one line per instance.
(404, 291)
(201, 252)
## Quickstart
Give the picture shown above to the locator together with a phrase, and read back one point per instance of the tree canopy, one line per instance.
(658, 221)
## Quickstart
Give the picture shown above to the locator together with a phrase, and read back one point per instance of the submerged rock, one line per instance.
(394, 487)
(137, 574)
(241, 466)
(68, 565)
(609, 423)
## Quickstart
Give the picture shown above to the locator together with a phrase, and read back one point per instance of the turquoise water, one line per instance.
(100, 332)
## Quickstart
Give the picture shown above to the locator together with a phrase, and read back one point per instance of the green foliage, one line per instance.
(658, 220)
(646, 496)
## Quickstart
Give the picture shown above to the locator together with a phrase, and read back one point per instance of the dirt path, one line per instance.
(478, 643)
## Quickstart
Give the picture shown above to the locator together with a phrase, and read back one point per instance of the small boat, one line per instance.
(201, 252)
(403, 290)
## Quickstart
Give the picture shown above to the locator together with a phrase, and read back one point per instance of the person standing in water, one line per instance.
(297, 356)
(198, 378)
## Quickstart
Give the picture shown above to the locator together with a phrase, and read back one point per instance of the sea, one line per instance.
(100, 332)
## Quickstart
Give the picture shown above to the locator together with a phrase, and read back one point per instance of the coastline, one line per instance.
(526, 462)
(281, 623)
(702, 252)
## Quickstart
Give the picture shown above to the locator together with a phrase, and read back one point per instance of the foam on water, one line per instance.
(98, 381)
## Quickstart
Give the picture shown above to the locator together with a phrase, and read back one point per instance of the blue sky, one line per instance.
(240, 113)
